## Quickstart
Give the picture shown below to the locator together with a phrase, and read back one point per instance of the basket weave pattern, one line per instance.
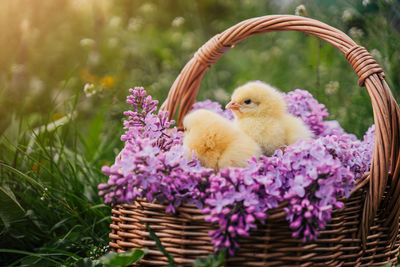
(365, 232)
(185, 236)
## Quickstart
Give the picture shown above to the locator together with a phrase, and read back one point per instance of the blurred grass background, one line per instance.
(65, 70)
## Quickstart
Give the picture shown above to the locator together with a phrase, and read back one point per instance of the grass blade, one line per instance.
(10, 209)
(42, 256)
(160, 247)
(23, 175)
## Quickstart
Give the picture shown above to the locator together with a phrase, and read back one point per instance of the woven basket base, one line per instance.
(185, 237)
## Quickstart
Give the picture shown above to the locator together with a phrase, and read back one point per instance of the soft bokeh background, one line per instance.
(65, 70)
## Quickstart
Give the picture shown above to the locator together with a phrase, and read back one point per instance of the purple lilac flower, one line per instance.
(310, 175)
(315, 181)
(152, 163)
(352, 153)
(214, 106)
(368, 145)
(238, 198)
(302, 104)
(143, 123)
(331, 127)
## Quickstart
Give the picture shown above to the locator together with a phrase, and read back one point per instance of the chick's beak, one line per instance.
(233, 106)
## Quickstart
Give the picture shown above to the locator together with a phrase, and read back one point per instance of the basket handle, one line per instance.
(385, 166)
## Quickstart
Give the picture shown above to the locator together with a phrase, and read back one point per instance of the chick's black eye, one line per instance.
(247, 101)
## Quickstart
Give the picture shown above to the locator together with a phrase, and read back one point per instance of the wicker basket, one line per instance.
(364, 233)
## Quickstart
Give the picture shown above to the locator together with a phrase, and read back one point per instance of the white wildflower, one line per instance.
(376, 55)
(36, 85)
(89, 89)
(115, 22)
(332, 87)
(148, 8)
(356, 33)
(178, 21)
(347, 15)
(135, 24)
(301, 11)
(17, 68)
(87, 42)
(366, 2)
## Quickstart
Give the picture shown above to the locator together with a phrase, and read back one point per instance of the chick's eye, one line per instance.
(247, 101)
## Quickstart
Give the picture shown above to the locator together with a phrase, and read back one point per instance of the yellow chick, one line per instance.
(260, 111)
(216, 141)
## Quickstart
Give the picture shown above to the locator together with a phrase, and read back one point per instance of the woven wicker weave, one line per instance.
(364, 233)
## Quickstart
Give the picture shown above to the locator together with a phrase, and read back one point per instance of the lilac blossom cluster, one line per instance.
(302, 104)
(316, 179)
(142, 122)
(312, 176)
(352, 153)
(215, 107)
(152, 163)
(308, 175)
(238, 198)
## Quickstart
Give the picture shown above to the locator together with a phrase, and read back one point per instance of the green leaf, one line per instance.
(113, 259)
(160, 247)
(84, 262)
(93, 140)
(23, 175)
(211, 260)
(10, 209)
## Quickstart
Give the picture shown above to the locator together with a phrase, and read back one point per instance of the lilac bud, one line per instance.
(307, 231)
(260, 215)
(206, 210)
(226, 211)
(339, 205)
(208, 218)
(249, 218)
(227, 243)
(235, 217)
(103, 186)
(242, 232)
(296, 224)
(250, 209)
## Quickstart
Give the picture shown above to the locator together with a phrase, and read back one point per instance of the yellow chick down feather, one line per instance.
(216, 141)
(260, 111)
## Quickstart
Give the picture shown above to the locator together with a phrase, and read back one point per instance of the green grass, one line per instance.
(54, 138)
(52, 189)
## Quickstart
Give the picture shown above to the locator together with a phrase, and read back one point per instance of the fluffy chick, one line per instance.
(260, 111)
(216, 141)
